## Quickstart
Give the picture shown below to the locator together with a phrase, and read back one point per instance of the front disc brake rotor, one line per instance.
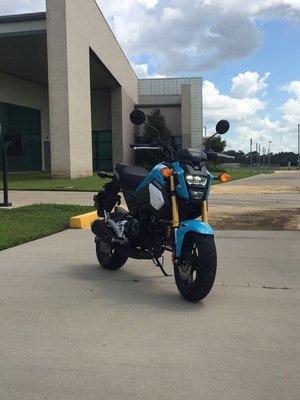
(185, 271)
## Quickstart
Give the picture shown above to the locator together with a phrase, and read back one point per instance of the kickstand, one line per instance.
(157, 263)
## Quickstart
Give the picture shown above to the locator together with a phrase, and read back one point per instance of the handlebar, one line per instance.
(212, 155)
(142, 146)
(134, 145)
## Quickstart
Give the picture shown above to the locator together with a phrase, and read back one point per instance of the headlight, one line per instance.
(196, 180)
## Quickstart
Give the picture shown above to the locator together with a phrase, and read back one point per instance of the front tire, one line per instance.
(196, 269)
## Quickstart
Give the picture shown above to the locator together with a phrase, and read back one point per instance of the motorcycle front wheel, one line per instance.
(196, 269)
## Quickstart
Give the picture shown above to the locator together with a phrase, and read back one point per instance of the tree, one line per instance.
(149, 158)
(239, 156)
(158, 121)
(216, 144)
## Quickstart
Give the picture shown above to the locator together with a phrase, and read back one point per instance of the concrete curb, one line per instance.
(83, 221)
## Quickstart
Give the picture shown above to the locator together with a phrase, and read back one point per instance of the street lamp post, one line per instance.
(251, 142)
(269, 153)
(298, 145)
(3, 151)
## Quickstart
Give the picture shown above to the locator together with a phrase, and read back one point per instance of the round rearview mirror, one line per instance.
(137, 117)
(222, 127)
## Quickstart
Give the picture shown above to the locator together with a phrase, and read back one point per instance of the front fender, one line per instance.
(191, 226)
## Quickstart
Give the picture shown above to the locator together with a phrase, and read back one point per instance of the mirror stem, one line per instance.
(152, 127)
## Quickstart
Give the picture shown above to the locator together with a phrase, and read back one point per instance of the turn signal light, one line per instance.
(224, 178)
(166, 172)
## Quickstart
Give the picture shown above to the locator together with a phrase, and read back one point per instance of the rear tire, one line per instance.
(196, 269)
(109, 258)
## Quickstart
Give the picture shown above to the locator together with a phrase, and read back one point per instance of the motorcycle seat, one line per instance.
(131, 175)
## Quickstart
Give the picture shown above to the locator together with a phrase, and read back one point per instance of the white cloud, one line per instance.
(248, 118)
(291, 108)
(149, 4)
(142, 71)
(248, 84)
(217, 106)
(215, 30)
(293, 88)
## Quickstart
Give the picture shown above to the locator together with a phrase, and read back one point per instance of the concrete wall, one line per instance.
(73, 27)
(159, 99)
(186, 120)
(27, 94)
(122, 128)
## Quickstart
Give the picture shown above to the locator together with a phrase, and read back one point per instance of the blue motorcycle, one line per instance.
(166, 211)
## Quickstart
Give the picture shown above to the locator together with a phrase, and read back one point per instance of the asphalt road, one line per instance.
(70, 330)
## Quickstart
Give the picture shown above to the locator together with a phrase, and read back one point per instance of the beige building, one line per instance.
(67, 89)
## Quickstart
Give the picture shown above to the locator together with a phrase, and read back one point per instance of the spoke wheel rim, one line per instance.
(187, 271)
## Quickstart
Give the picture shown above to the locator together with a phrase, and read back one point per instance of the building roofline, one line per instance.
(169, 78)
(22, 17)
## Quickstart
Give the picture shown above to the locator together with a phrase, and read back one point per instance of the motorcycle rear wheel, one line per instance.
(196, 270)
(109, 258)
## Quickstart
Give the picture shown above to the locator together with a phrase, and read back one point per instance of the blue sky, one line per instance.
(247, 53)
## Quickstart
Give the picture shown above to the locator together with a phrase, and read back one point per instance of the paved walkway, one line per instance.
(24, 197)
(70, 330)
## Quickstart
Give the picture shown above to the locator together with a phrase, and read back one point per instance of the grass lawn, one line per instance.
(42, 181)
(28, 223)
(242, 173)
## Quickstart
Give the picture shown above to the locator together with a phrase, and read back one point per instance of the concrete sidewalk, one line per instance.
(70, 330)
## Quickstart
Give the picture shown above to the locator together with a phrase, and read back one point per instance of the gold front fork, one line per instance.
(175, 212)
(205, 211)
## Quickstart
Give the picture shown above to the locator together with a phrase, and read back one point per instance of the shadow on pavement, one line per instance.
(125, 286)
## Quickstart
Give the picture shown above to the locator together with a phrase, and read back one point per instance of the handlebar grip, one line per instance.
(212, 155)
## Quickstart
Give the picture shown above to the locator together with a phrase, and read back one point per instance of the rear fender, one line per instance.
(186, 227)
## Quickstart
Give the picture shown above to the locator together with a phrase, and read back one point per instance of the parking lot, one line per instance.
(70, 330)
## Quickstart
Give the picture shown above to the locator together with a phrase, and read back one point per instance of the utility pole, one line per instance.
(256, 149)
(251, 143)
(269, 154)
(259, 156)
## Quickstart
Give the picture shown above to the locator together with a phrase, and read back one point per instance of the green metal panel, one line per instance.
(25, 121)
(102, 150)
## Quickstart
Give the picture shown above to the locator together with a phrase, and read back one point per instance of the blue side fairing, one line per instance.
(181, 188)
(154, 174)
(191, 226)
